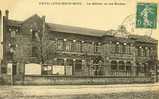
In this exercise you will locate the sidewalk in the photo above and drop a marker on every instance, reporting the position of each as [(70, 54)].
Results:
[(77, 89)]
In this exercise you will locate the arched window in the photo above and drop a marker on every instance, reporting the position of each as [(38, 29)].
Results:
[(114, 65), (121, 66), (128, 66), (140, 51), (144, 52)]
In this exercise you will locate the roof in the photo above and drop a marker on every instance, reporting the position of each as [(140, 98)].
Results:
[(66, 28), (143, 38), (14, 23), (75, 30), (84, 31), (17, 23)]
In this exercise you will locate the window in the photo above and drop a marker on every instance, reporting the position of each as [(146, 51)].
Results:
[(69, 67), (147, 52), (34, 51), (33, 35), (90, 47), (145, 67), (114, 65), (117, 48), (60, 45), (140, 51), (68, 45), (13, 34), (128, 66), (78, 66), (83, 46), (97, 47), (113, 47), (121, 48), (140, 67), (144, 52), (73, 46), (124, 48), (121, 66), (78, 46)]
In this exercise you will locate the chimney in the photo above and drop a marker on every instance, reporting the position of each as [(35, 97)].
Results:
[(7, 13)]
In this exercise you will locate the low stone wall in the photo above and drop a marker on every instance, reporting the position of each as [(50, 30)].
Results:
[(63, 80)]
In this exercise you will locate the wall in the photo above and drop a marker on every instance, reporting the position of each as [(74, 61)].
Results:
[(52, 80)]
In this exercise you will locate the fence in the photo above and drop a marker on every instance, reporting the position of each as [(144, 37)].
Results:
[(63, 80)]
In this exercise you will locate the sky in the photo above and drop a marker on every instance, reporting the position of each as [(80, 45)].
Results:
[(102, 17)]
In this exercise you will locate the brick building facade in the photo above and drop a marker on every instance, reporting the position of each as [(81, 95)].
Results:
[(77, 51)]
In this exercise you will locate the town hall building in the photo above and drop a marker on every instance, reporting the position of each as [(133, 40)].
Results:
[(75, 54)]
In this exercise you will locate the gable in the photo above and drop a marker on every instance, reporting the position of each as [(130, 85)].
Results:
[(33, 23)]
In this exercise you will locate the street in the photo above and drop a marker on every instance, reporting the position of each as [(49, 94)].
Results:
[(125, 91)]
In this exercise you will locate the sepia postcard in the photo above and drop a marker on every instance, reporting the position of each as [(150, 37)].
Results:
[(79, 49)]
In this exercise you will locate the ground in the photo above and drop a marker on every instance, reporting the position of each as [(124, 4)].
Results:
[(124, 91)]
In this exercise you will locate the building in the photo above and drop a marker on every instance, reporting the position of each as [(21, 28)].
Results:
[(66, 51)]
